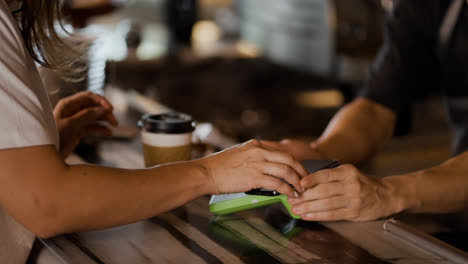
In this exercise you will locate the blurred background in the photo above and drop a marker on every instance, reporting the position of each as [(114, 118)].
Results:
[(265, 69)]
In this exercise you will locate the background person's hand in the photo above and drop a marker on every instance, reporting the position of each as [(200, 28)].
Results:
[(252, 166), (77, 116), (344, 193), (301, 150)]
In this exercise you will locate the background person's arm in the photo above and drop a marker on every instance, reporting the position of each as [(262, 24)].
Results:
[(49, 197), (354, 134)]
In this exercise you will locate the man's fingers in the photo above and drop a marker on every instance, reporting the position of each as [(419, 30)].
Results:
[(280, 170), (321, 191), (334, 215), (326, 176), (320, 177), (328, 204)]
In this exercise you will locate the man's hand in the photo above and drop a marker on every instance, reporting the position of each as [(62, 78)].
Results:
[(344, 193), (301, 150), (77, 116)]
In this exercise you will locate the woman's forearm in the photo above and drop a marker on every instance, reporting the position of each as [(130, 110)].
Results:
[(356, 132), (56, 198), (117, 197), (442, 189)]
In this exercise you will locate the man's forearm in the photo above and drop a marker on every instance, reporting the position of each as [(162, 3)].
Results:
[(442, 189), (356, 132)]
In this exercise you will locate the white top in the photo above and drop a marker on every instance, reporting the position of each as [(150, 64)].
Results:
[(26, 113), (26, 120)]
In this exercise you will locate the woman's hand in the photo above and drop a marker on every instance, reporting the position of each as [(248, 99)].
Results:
[(344, 193), (301, 150), (252, 166), (77, 116)]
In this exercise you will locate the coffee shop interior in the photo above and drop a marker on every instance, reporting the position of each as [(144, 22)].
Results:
[(245, 69)]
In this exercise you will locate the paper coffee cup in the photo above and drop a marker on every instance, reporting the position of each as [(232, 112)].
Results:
[(166, 138)]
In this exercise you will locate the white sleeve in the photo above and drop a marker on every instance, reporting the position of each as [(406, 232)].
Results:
[(26, 117)]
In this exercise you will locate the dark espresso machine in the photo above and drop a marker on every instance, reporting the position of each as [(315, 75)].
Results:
[(181, 17)]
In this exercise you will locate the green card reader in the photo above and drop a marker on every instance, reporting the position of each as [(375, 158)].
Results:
[(232, 203)]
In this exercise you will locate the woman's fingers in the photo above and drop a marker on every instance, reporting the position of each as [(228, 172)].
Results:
[(110, 118), (327, 204), (88, 116), (272, 144), (96, 130), (102, 101), (257, 150), (278, 164), (273, 155), (276, 184), (279, 170), (91, 115), (69, 106), (74, 104)]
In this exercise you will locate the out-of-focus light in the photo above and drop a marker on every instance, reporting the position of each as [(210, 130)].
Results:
[(216, 2), (247, 49), (387, 4), (320, 99), (109, 44), (205, 37), (253, 118), (114, 47), (154, 43)]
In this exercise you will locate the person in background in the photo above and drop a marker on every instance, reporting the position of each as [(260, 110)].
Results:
[(425, 50), (41, 195)]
